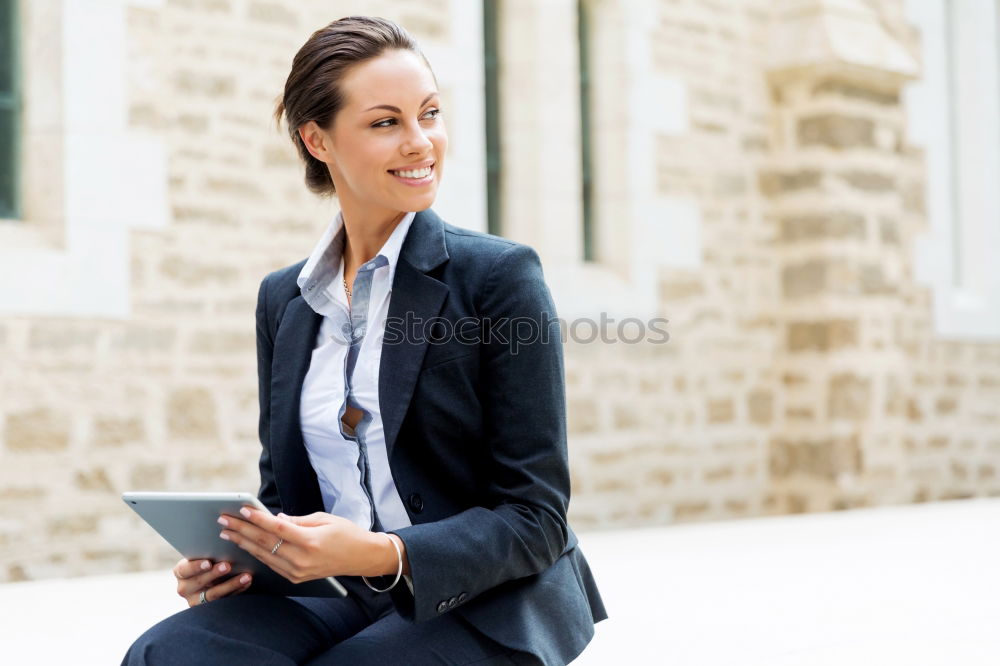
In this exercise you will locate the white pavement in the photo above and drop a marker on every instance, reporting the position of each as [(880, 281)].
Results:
[(911, 585)]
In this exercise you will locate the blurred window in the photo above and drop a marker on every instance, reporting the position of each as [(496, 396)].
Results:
[(10, 111), (954, 114), (492, 104), (586, 145)]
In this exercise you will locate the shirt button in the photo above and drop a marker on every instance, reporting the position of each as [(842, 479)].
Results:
[(416, 503), (370, 265), (442, 607)]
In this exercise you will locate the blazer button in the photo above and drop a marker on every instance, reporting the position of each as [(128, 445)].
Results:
[(416, 503), (452, 602), (442, 607), (462, 597)]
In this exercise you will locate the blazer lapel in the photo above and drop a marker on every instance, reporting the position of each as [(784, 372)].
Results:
[(293, 346), (416, 298)]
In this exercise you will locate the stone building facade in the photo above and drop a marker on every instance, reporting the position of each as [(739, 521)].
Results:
[(757, 181)]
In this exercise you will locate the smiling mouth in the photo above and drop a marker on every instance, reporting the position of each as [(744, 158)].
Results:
[(413, 174)]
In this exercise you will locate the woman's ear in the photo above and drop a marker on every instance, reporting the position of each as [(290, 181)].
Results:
[(316, 141)]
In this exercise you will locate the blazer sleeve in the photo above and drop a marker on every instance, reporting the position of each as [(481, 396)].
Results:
[(521, 529), (268, 492)]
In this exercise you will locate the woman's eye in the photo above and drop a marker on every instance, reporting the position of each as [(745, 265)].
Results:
[(392, 121)]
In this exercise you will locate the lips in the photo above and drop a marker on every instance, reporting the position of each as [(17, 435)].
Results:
[(415, 172)]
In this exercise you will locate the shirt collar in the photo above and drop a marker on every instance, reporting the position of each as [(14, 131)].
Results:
[(324, 263)]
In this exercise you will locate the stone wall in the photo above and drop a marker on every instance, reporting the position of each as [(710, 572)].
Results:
[(803, 372)]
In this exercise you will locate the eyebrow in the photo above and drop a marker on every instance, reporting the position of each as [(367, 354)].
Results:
[(388, 107)]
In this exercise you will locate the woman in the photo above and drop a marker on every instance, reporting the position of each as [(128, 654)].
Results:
[(423, 461)]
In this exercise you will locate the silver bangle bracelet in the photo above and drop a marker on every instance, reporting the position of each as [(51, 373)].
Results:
[(399, 569)]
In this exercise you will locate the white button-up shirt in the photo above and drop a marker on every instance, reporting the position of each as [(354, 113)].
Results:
[(333, 457)]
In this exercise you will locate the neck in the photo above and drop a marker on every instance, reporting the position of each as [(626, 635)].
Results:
[(365, 236)]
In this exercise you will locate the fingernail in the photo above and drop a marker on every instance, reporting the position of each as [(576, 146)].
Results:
[(223, 567), (223, 522), (206, 565), (282, 515), (245, 579), (246, 512), (223, 535)]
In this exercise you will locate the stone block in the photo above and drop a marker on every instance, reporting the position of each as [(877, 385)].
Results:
[(946, 406), (191, 414), (204, 84), (93, 480), (582, 416), (775, 183), (760, 406), (869, 181), (62, 338), (825, 458), (888, 231), (690, 510), (718, 473), (148, 477), (203, 473), (847, 90), (849, 397), (14, 493), (273, 13), (833, 225), (37, 430), (222, 342), (73, 526), (194, 273), (145, 339), (836, 131), (821, 336), (804, 279), (721, 410), (112, 431)]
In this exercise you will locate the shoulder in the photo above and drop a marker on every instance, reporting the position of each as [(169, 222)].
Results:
[(280, 286), (501, 277), (486, 255)]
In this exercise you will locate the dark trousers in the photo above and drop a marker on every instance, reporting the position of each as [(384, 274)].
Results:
[(362, 628)]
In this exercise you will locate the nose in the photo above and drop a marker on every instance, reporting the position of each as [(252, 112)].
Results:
[(415, 141)]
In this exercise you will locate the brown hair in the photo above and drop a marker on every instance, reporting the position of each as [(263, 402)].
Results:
[(312, 89)]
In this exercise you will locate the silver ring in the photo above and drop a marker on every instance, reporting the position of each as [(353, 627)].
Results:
[(277, 545), (201, 597)]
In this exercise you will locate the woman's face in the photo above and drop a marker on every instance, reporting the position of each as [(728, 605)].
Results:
[(386, 146)]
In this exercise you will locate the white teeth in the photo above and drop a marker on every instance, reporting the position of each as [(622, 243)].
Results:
[(418, 173)]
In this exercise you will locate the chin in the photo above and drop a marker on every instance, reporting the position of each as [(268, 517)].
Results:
[(422, 202)]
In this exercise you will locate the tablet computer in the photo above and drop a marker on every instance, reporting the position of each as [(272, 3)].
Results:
[(188, 522)]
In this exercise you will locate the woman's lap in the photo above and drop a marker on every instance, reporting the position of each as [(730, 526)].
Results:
[(277, 631)]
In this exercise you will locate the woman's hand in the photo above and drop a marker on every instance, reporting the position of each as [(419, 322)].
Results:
[(313, 546), (194, 576)]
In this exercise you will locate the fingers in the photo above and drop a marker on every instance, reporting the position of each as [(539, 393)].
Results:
[(188, 568), (198, 582), (283, 562), (233, 586), (269, 526)]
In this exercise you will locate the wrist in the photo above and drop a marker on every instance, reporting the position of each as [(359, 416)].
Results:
[(382, 558)]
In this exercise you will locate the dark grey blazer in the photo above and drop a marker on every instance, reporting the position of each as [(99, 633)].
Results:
[(475, 428)]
